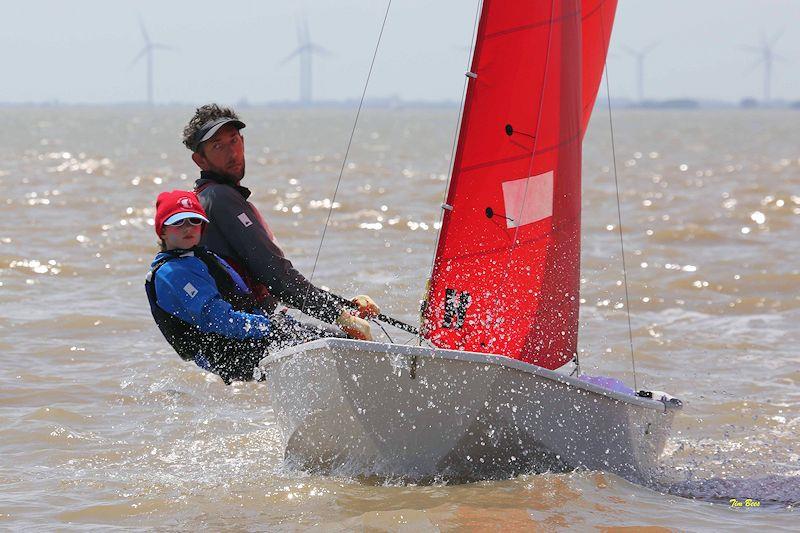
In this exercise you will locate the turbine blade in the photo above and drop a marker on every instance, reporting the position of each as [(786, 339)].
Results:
[(291, 56), (144, 31), (316, 49), (299, 31), (306, 35), (753, 65), (138, 57), (649, 48), (160, 46), (776, 37)]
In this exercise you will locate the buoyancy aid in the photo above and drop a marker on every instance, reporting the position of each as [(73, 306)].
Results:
[(232, 359)]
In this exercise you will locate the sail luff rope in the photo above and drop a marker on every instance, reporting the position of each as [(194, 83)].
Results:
[(535, 138), (347, 151), (619, 220), (478, 9)]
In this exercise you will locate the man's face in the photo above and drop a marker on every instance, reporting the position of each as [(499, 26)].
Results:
[(223, 153)]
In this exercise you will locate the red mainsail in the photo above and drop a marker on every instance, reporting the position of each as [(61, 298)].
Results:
[(506, 275)]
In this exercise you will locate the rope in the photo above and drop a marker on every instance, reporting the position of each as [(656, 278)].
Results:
[(535, 139), (347, 152), (384, 331), (619, 220)]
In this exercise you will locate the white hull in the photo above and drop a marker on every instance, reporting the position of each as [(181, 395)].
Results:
[(364, 408)]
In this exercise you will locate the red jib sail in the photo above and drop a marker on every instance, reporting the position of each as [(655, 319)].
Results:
[(506, 275)]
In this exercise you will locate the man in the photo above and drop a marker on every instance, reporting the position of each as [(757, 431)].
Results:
[(239, 234)]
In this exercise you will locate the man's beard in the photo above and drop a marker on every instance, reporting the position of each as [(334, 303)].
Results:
[(234, 177)]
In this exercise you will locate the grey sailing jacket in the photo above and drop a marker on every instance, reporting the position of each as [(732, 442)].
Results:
[(236, 233)]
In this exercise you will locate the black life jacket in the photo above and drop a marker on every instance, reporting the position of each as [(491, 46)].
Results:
[(231, 359)]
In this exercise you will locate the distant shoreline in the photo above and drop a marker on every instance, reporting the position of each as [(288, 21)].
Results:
[(395, 103)]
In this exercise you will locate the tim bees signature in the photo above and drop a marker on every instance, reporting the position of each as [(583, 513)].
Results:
[(747, 503)]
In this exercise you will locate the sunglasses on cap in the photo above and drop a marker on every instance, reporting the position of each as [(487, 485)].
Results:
[(191, 221)]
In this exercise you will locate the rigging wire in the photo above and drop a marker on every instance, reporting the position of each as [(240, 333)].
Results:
[(391, 341), (478, 7), (619, 220), (347, 151)]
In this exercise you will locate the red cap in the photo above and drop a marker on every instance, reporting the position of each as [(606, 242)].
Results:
[(175, 206)]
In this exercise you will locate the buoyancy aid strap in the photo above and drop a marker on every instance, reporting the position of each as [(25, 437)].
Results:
[(241, 298), (151, 274), (259, 291), (201, 188)]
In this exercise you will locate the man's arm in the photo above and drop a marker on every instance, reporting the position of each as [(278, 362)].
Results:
[(236, 220)]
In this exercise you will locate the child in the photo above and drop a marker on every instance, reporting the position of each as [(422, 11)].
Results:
[(200, 304)]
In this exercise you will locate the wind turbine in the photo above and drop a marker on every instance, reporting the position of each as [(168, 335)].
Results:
[(147, 51), (305, 51), (768, 57), (639, 55)]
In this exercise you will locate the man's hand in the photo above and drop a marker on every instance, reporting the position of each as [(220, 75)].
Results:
[(367, 308), (355, 327)]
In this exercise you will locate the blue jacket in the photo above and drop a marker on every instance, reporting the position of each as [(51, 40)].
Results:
[(207, 314), (185, 289)]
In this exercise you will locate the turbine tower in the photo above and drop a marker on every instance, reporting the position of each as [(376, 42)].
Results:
[(305, 52), (147, 51), (639, 55), (767, 57)]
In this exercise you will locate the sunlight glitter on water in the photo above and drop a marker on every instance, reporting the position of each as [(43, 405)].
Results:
[(172, 442)]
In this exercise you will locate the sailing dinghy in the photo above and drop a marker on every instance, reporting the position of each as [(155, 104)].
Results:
[(485, 400)]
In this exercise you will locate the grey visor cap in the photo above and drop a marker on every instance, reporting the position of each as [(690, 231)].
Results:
[(211, 127)]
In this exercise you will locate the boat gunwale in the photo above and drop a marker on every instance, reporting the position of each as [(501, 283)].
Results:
[(334, 343)]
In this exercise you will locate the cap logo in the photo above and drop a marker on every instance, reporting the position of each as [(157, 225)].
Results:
[(185, 202)]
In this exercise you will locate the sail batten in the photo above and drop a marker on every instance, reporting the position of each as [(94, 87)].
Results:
[(506, 273)]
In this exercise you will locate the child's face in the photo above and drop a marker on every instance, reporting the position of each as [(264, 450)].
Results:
[(182, 236)]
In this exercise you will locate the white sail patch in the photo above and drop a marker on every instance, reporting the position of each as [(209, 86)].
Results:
[(528, 200)]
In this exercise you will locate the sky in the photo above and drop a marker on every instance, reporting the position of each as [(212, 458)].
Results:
[(80, 51)]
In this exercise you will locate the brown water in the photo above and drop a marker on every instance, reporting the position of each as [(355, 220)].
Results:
[(102, 426)]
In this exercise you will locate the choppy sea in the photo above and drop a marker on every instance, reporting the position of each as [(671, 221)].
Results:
[(103, 427)]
